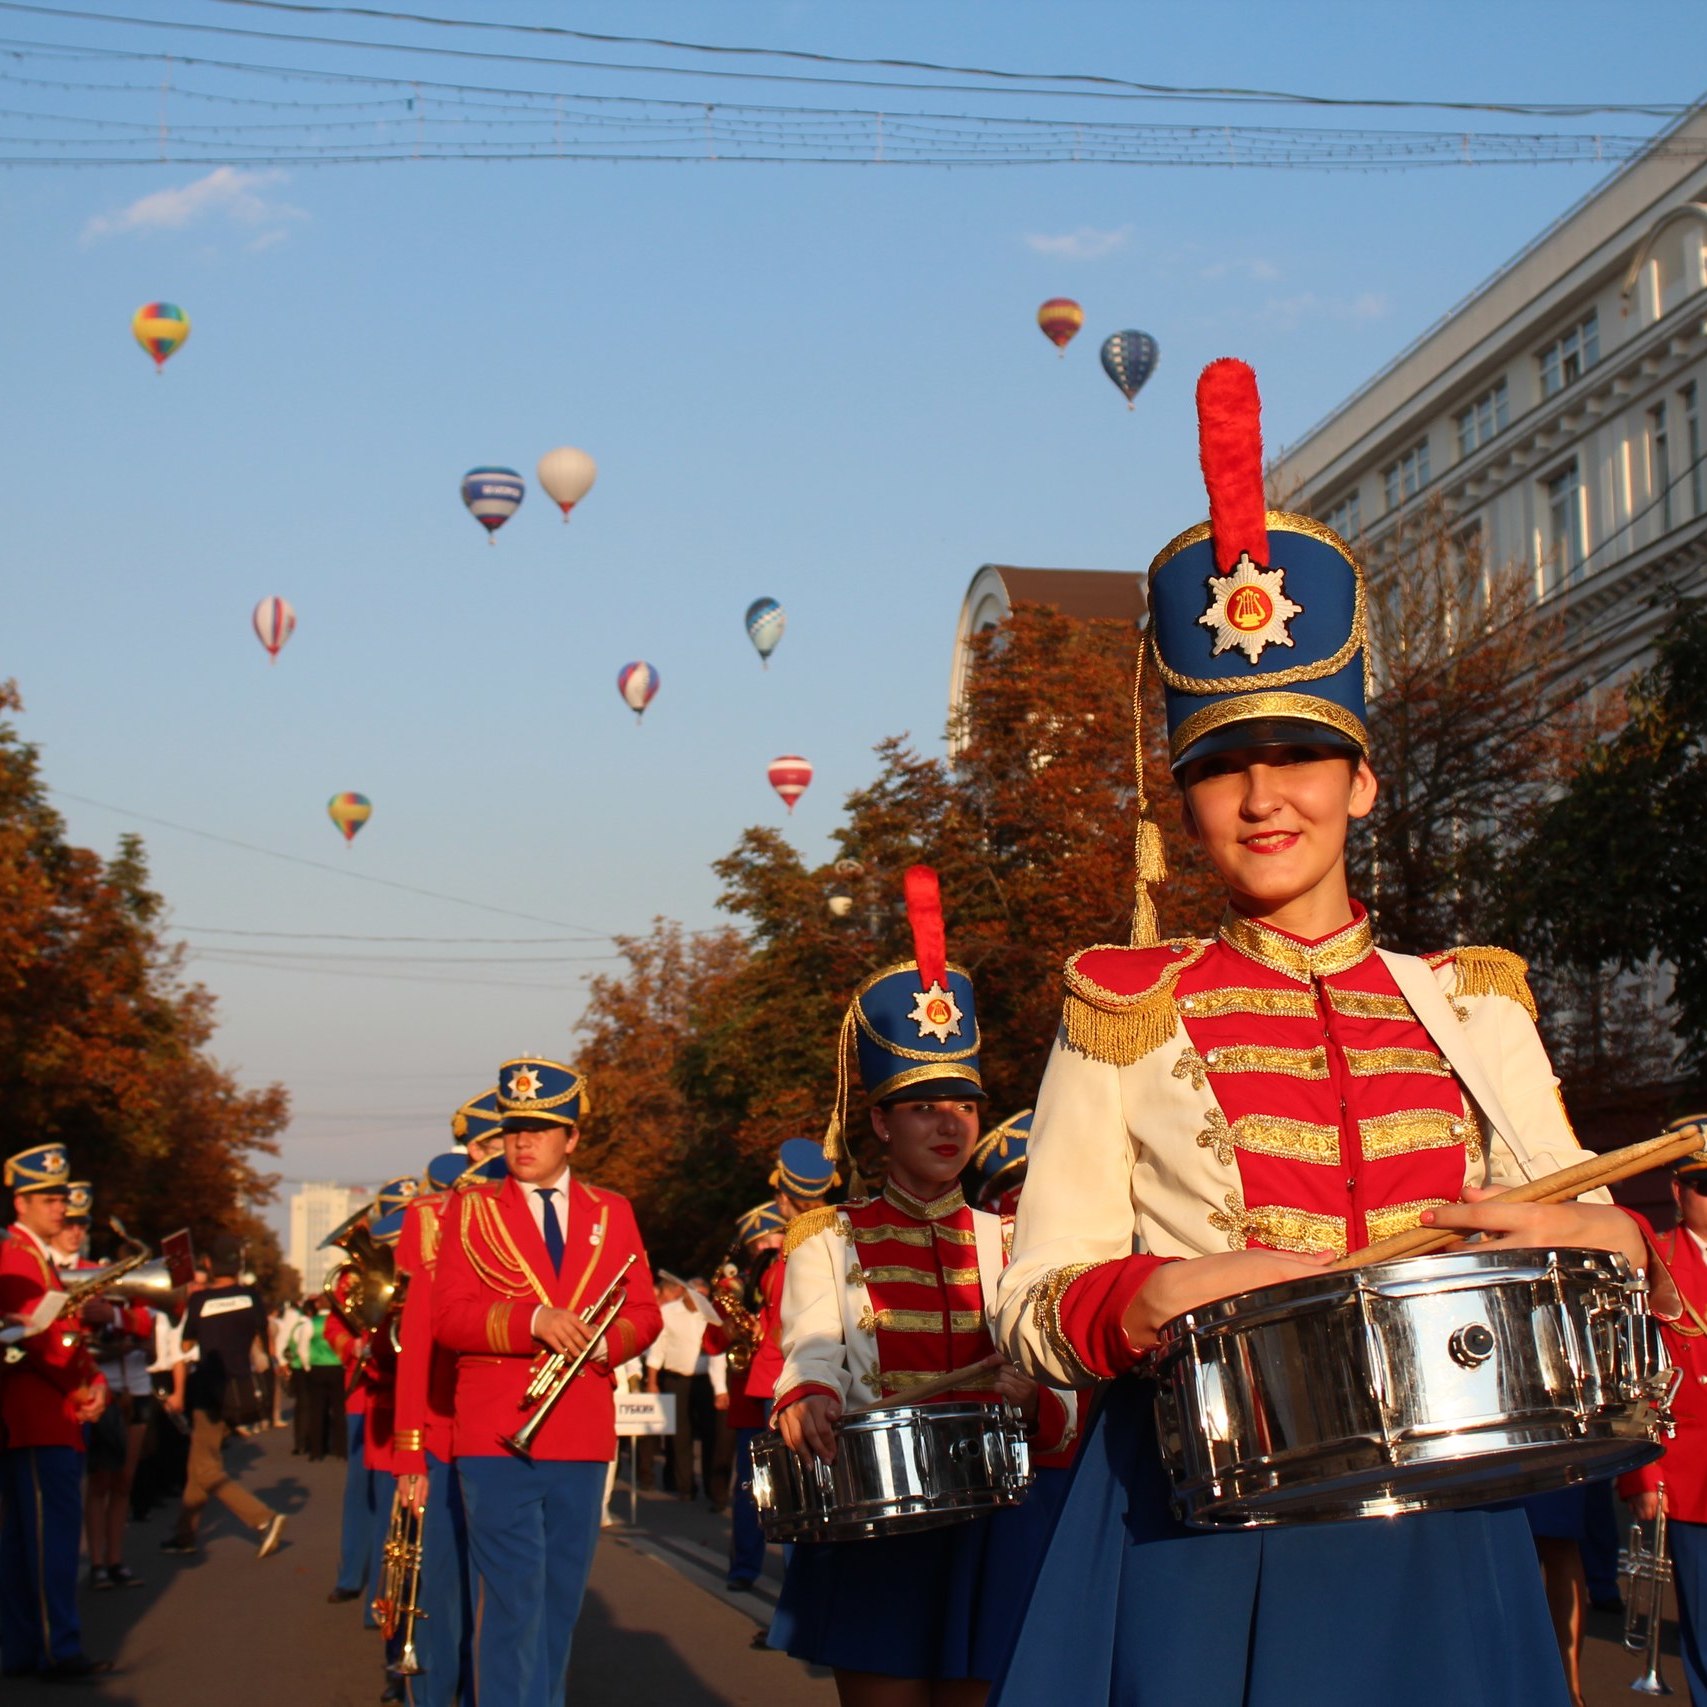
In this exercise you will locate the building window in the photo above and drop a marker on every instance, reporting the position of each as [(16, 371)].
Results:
[(1407, 477), (1692, 440), (1659, 465), (1489, 414), (1568, 358), (1346, 517), (1569, 543)]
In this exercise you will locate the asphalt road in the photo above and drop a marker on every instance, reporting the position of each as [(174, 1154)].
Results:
[(658, 1628)]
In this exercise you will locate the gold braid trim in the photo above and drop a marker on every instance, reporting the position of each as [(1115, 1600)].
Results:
[(1117, 1028), (508, 1273), (809, 1225), (409, 1439), (429, 1235), (1045, 1297), (1483, 971), (1399, 1217)]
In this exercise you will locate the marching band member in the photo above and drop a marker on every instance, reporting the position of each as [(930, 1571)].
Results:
[(1237, 1110), (518, 1264), (47, 1394), (880, 1295), (998, 1164)]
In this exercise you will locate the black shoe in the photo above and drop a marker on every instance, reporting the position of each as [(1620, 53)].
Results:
[(122, 1576), (99, 1577), (393, 1692), (339, 1595), (762, 1642), (739, 1585), (173, 1545), (78, 1669)]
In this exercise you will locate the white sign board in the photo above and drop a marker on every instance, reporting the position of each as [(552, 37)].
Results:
[(645, 1413)]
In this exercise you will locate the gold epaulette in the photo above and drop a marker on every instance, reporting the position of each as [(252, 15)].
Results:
[(1483, 971), (1121, 1026), (807, 1226)]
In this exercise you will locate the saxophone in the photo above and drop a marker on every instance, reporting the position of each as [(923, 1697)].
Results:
[(744, 1327)]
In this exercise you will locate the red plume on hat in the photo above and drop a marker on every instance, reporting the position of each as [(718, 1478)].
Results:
[(1229, 443), (930, 936)]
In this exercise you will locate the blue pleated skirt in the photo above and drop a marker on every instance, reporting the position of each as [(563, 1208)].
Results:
[(939, 1603), (1131, 1609)]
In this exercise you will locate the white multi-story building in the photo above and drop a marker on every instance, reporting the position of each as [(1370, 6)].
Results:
[(1557, 410), (316, 1207)]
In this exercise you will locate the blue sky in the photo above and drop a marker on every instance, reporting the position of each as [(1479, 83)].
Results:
[(821, 383)]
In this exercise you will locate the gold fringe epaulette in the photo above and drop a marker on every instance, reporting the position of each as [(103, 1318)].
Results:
[(1483, 971), (807, 1226), (1120, 1027)]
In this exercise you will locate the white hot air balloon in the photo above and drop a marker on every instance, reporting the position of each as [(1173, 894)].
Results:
[(274, 622), (567, 475)]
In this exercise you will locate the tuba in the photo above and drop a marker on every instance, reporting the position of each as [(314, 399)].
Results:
[(136, 1278), (1648, 1571), (370, 1272)]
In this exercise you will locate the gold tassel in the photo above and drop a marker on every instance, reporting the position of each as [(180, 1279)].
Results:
[(1126, 1035), (1486, 971), (586, 1100)]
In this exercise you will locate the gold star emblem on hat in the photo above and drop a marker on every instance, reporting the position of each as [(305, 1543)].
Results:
[(1247, 609), (936, 1013), (524, 1085)]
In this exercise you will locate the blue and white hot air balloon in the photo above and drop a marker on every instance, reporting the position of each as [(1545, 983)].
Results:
[(1129, 358), (766, 620), (493, 495)]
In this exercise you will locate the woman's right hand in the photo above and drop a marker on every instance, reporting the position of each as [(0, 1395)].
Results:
[(1177, 1287), (808, 1426)]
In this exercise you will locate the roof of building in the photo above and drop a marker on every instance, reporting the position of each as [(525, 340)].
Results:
[(1082, 593)]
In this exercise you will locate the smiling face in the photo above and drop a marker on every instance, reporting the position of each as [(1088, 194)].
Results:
[(928, 1143), (537, 1150), (1273, 821)]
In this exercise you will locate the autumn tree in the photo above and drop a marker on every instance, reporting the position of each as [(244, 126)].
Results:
[(103, 1045)]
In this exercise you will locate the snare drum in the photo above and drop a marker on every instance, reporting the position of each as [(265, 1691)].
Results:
[(897, 1468), (1432, 1381)]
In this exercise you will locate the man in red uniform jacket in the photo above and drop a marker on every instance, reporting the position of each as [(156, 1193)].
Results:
[(47, 1393), (518, 1265)]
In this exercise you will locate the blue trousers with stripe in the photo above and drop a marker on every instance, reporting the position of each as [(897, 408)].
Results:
[(746, 1538), (1688, 1542), (41, 1530), (355, 1543), (532, 1529), (443, 1635)]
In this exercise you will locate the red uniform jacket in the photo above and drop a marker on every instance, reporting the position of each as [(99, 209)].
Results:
[(766, 1366), (357, 1386), (36, 1403), (493, 1273), (1683, 1469), (426, 1372)]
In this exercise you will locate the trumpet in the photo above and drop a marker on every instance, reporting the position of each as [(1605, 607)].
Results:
[(553, 1374), (398, 1603), (1647, 1570)]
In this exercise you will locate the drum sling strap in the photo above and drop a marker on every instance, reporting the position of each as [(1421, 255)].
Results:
[(987, 1231)]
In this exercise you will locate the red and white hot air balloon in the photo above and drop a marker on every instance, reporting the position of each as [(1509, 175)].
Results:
[(790, 776), (567, 475), (274, 623)]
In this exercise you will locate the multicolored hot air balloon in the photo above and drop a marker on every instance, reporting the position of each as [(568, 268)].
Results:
[(493, 495), (790, 776), (160, 328), (638, 685), (275, 622), (766, 620), (567, 475), (1129, 358), (1060, 317), (349, 812)]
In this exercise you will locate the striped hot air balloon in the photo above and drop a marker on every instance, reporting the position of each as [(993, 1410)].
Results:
[(160, 328), (493, 495), (1129, 358), (349, 812), (790, 776), (766, 620), (638, 685), (1060, 317), (275, 622)]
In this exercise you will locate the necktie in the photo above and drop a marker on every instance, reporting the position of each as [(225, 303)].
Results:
[(553, 1233)]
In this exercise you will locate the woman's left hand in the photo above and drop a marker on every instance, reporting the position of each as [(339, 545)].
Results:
[(1019, 1390), (1590, 1226)]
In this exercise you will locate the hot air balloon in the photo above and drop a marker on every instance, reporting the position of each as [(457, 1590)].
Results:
[(160, 327), (349, 812), (493, 495), (567, 475), (766, 620), (637, 683), (1060, 317), (790, 776), (275, 622), (1129, 358)]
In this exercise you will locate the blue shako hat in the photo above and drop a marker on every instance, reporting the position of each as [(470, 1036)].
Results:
[(477, 1118), (385, 1228), (764, 1217), (1258, 625), (41, 1168), (532, 1089), (803, 1170), (443, 1171), (79, 1200), (393, 1195), (998, 1158)]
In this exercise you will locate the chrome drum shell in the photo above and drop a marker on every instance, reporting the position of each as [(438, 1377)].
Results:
[(1433, 1381), (897, 1468)]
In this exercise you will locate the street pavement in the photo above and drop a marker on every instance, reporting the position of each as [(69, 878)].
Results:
[(658, 1629)]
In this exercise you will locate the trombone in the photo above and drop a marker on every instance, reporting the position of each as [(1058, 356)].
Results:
[(551, 1378), (1648, 1571), (398, 1603)]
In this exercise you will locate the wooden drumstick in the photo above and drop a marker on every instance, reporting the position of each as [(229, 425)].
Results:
[(933, 1388), (1558, 1187)]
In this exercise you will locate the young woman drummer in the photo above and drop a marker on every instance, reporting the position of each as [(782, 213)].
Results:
[(880, 1295), (1241, 1109)]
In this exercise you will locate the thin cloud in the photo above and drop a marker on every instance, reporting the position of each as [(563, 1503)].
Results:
[(1286, 313), (228, 194), (1252, 267), (1088, 243)]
